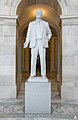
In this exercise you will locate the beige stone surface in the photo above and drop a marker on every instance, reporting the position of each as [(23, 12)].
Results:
[(69, 43), (7, 57)]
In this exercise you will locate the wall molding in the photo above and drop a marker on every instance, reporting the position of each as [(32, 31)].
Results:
[(9, 16)]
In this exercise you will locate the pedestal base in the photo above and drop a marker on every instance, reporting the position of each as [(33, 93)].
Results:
[(37, 96)]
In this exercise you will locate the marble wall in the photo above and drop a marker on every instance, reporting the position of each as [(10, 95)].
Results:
[(7, 57), (69, 57), (69, 48)]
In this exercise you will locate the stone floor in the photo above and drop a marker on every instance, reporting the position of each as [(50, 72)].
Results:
[(14, 109)]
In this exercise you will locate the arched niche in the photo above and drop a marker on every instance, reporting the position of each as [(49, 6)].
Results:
[(19, 5), (27, 14)]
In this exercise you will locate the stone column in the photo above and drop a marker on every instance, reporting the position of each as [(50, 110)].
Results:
[(19, 56), (22, 53), (60, 55), (58, 69), (69, 89), (8, 56), (27, 60), (25, 57), (52, 55), (56, 53)]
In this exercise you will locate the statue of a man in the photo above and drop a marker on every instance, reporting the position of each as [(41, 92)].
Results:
[(38, 35)]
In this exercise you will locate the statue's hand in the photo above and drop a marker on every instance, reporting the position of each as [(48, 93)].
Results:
[(25, 45)]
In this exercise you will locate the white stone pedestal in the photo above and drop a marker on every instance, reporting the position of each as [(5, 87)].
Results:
[(37, 95)]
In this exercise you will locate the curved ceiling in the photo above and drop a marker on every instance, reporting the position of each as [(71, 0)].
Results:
[(25, 3), (50, 8), (49, 15)]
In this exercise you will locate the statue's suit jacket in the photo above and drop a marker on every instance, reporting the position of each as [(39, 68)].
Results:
[(31, 34)]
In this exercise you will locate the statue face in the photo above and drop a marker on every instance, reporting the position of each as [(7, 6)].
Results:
[(38, 14)]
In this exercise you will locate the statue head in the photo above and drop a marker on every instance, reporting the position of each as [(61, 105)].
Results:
[(38, 14)]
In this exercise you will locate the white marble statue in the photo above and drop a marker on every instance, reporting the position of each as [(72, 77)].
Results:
[(38, 35)]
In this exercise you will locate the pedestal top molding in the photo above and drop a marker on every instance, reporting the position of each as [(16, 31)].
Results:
[(38, 79), (9, 16)]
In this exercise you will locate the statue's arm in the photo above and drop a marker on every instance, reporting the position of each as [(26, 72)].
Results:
[(49, 33), (27, 37)]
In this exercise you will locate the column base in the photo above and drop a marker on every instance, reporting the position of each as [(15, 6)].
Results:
[(69, 91), (37, 96), (8, 91)]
